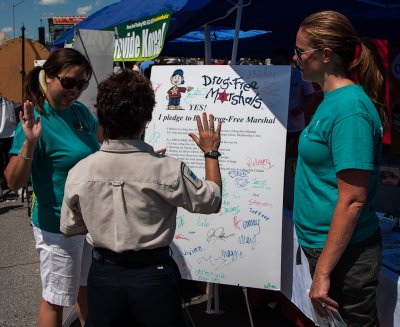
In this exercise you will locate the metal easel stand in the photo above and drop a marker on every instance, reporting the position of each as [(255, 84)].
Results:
[(213, 293), (248, 306), (188, 317)]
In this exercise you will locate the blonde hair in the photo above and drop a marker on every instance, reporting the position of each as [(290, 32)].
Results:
[(330, 29)]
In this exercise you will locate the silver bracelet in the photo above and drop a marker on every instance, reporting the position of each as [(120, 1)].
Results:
[(24, 156)]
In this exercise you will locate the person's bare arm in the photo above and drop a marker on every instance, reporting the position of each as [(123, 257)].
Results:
[(19, 167), (353, 192), (208, 140)]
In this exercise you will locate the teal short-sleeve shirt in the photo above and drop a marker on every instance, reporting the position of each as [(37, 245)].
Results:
[(345, 133), (68, 136)]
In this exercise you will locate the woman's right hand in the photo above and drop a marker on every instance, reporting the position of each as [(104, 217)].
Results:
[(32, 127)]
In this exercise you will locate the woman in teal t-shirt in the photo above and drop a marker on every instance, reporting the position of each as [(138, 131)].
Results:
[(337, 168), (55, 132)]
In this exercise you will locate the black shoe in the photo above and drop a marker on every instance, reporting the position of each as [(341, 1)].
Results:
[(12, 196), (4, 185)]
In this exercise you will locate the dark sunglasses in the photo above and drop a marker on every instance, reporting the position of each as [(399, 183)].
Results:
[(70, 83), (299, 52)]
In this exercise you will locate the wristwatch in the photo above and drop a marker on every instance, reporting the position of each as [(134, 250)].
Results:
[(213, 154)]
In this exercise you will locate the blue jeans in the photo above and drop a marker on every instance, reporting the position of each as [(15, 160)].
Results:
[(354, 280), (134, 294)]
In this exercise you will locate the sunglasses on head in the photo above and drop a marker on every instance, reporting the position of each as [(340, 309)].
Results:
[(70, 83), (299, 52)]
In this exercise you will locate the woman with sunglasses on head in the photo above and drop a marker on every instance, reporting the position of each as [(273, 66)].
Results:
[(337, 168), (55, 132)]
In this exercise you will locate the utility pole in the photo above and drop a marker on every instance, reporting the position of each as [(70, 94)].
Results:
[(14, 6)]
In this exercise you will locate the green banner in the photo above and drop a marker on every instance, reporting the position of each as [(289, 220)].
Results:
[(141, 40)]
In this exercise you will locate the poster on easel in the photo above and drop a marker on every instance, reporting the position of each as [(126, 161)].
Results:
[(240, 245)]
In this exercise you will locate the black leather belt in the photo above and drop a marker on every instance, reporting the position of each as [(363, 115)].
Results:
[(132, 258)]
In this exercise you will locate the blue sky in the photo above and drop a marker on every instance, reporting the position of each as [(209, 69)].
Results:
[(29, 13)]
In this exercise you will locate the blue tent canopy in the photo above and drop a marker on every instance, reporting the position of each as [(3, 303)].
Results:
[(122, 12), (373, 18), (216, 34), (251, 44)]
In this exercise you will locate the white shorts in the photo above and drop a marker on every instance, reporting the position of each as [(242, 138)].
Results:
[(64, 265)]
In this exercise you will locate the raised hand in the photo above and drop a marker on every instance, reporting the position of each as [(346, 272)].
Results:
[(209, 138), (32, 127)]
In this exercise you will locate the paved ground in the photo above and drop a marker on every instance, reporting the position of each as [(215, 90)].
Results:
[(20, 283), (19, 268)]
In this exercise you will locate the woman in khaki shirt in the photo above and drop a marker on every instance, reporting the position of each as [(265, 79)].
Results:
[(126, 197)]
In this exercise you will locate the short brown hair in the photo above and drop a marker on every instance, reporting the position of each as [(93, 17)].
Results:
[(125, 103)]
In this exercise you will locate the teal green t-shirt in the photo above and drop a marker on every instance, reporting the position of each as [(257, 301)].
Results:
[(68, 136), (344, 133)]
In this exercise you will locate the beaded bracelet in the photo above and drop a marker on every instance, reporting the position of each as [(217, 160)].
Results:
[(24, 156)]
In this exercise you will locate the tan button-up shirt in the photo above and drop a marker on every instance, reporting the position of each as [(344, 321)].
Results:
[(126, 197)]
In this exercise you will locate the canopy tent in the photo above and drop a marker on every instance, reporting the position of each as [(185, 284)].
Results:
[(217, 34), (373, 18), (252, 44), (376, 19), (122, 12)]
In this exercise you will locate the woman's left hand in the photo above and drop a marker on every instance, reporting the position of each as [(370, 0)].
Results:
[(209, 138), (161, 151), (319, 295)]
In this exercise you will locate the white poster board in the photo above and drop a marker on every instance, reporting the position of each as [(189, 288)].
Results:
[(99, 46), (241, 245)]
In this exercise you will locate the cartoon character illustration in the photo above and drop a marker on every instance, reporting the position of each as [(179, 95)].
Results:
[(175, 92)]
